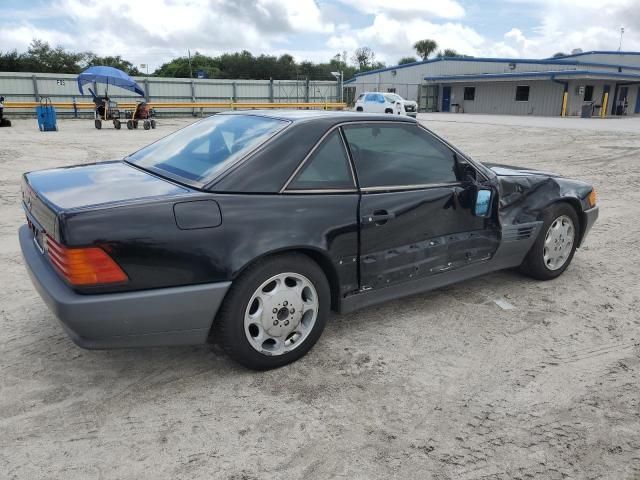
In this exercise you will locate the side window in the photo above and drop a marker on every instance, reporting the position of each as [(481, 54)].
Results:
[(327, 168), (370, 97), (522, 93), (469, 93), (380, 98), (398, 155)]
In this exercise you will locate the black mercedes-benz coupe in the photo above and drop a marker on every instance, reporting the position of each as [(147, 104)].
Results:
[(247, 228)]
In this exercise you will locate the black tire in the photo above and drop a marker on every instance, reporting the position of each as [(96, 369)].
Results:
[(116, 124), (153, 124), (146, 124), (129, 124), (98, 123), (359, 109), (135, 123), (534, 264), (229, 329), (388, 110)]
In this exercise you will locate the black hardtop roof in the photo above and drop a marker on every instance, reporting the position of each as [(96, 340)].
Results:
[(322, 115)]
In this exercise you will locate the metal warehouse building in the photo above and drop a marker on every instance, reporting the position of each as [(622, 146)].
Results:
[(604, 83)]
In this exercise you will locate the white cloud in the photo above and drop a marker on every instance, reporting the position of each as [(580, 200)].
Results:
[(425, 8), (585, 24), (153, 31), (392, 38), (20, 36)]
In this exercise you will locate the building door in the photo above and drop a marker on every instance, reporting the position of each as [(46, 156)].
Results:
[(446, 99), (622, 101), (428, 98), (637, 109)]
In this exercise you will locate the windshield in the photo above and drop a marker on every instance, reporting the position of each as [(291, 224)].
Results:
[(200, 151), (392, 97)]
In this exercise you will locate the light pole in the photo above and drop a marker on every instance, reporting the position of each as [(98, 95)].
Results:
[(340, 76)]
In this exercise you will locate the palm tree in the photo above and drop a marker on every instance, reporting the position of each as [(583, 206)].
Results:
[(425, 47)]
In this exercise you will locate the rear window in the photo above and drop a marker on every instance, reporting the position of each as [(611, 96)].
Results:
[(200, 151)]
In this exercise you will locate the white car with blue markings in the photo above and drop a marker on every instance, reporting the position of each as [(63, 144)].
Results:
[(380, 102)]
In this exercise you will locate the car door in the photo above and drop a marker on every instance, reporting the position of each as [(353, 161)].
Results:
[(416, 216), (370, 103), (374, 103)]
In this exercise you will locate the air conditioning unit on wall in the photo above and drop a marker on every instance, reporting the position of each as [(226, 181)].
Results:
[(580, 90)]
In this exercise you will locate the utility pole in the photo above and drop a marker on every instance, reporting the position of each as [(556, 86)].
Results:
[(340, 76), (190, 70), (621, 33)]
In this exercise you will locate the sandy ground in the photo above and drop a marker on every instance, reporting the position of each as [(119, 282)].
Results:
[(441, 385)]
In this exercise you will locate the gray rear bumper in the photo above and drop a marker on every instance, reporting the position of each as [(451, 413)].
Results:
[(163, 316)]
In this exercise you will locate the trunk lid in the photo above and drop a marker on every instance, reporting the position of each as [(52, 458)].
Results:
[(95, 185), (46, 194)]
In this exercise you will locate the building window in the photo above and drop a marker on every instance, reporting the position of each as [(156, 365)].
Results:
[(588, 93), (391, 90), (469, 93), (522, 93)]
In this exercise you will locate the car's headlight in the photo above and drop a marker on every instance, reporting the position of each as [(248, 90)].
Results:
[(592, 198)]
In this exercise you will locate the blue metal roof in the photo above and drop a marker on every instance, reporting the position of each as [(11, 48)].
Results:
[(602, 52), (546, 61), (550, 74)]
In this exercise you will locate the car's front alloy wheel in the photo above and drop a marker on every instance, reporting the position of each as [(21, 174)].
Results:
[(274, 311), (556, 244)]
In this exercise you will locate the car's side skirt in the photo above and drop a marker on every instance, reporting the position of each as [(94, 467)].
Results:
[(515, 244)]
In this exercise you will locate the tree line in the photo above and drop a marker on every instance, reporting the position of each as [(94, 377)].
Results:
[(42, 57)]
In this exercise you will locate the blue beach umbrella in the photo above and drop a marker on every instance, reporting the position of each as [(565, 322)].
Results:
[(109, 76)]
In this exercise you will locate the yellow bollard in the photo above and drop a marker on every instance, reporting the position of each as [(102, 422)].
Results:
[(603, 110), (565, 95)]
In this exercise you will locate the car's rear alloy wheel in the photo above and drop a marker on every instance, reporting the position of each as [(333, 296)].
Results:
[(281, 313), (556, 244), (274, 312)]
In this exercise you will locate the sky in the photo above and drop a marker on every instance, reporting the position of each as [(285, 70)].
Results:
[(154, 31)]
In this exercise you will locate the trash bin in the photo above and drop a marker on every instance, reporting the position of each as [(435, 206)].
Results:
[(46, 116), (587, 110)]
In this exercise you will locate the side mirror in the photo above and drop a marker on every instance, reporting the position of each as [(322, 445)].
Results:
[(482, 205), (465, 172)]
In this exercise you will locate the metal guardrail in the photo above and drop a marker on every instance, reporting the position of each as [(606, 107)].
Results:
[(187, 105)]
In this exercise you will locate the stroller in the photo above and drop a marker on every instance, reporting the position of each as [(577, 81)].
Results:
[(141, 112), (105, 110)]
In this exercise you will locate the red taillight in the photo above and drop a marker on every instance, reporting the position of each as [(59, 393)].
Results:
[(84, 266)]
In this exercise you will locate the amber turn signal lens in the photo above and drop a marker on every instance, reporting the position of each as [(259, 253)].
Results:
[(592, 198), (84, 266)]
